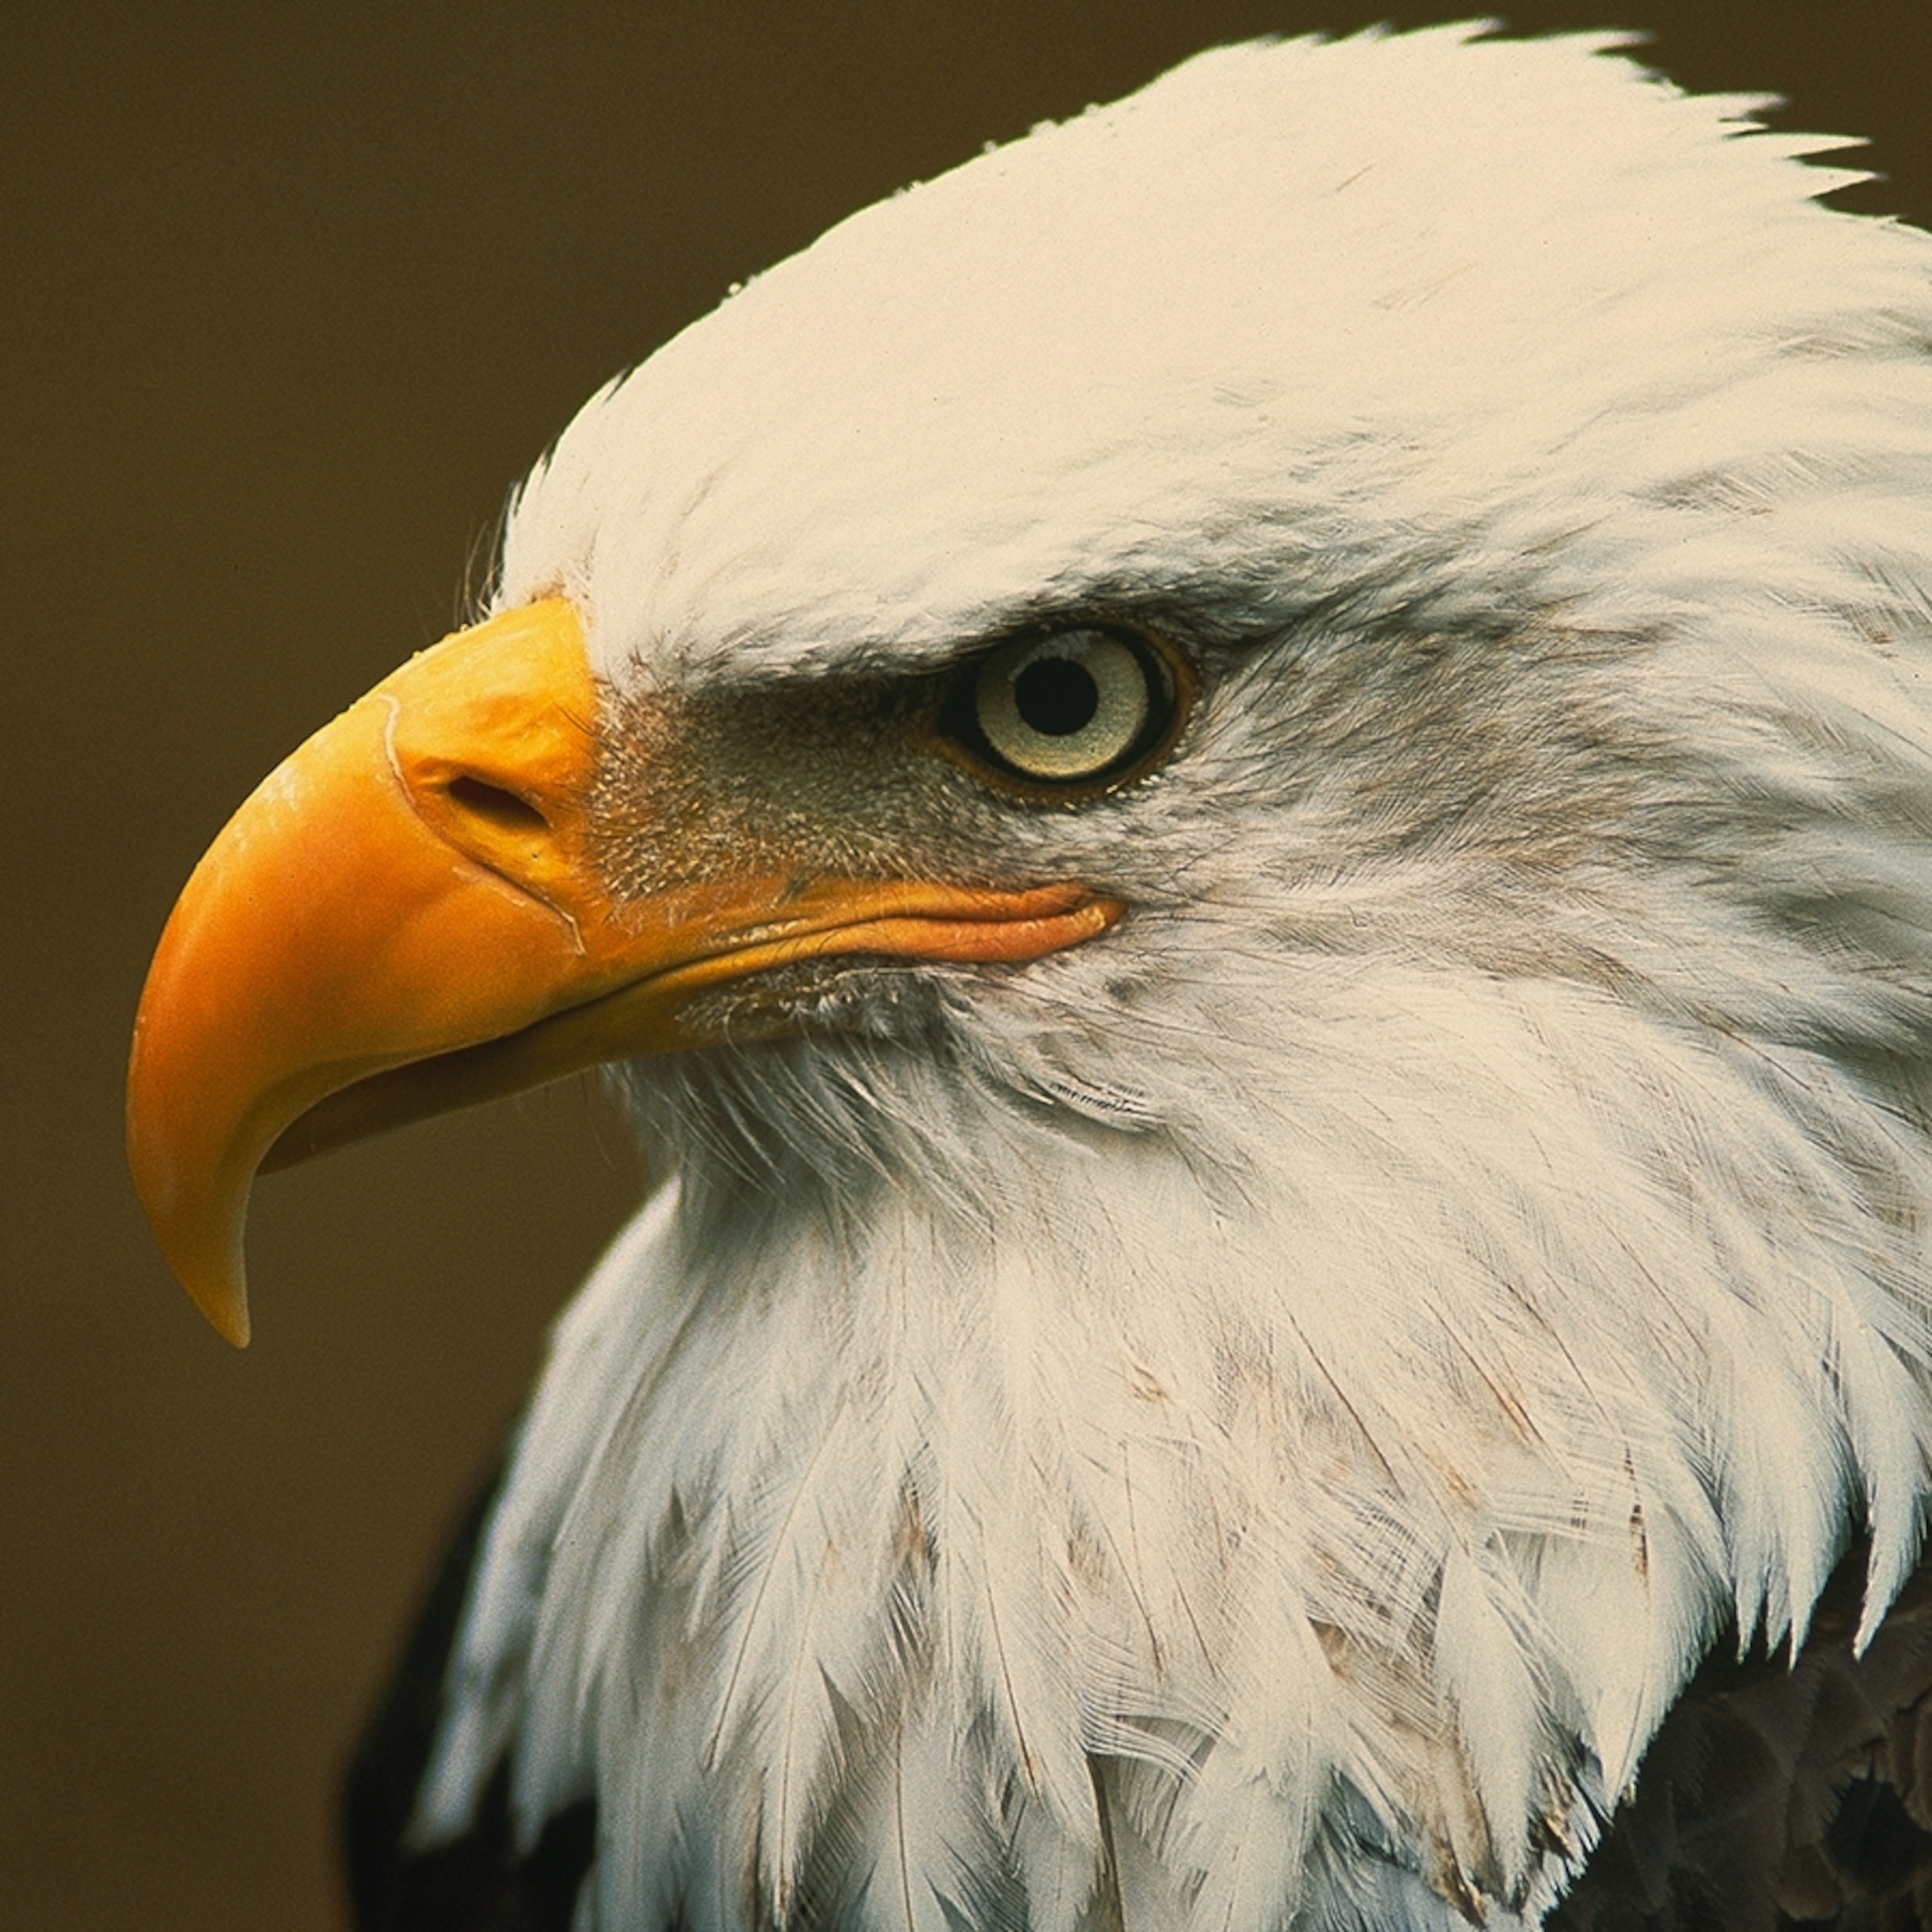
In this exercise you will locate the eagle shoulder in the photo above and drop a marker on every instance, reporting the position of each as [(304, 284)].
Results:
[(1776, 1794)]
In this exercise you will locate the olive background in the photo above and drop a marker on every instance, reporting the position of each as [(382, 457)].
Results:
[(290, 296)]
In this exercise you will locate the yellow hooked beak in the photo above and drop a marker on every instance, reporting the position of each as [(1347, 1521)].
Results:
[(406, 917)]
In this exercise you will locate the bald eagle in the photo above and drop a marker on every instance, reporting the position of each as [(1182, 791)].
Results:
[(1243, 795)]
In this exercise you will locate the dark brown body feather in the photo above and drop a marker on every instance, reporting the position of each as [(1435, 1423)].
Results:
[(480, 1883), (1774, 1797)]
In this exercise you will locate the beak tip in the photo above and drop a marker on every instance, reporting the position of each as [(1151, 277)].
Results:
[(228, 1318), (216, 1285), (198, 1229)]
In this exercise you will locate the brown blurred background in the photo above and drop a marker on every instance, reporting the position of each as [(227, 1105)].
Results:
[(289, 297)]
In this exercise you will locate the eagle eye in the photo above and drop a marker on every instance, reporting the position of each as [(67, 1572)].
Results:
[(1068, 707)]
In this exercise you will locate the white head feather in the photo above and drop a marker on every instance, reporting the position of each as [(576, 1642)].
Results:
[(1264, 1410)]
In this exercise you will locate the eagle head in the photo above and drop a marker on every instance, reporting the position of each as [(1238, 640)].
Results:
[(1242, 793)]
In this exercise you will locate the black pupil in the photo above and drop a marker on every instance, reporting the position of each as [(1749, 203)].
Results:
[(1056, 697)]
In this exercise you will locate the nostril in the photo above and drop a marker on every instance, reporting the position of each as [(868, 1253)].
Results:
[(508, 811)]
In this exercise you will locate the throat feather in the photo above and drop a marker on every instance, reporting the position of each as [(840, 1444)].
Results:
[(1373, 1520)]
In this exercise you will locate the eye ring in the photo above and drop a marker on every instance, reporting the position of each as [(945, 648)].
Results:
[(1072, 709)]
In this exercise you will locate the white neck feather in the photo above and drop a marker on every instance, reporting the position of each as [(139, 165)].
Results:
[(1251, 1516)]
